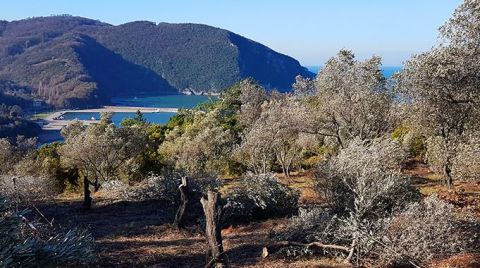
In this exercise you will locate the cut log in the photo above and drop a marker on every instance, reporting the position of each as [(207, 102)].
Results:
[(179, 221), (213, 214)]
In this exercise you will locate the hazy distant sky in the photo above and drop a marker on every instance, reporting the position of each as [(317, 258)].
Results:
[(309, 30)]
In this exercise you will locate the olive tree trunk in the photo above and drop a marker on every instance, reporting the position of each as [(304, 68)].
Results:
[(447, 175), (87, 199), (213, 214), (184, 198)]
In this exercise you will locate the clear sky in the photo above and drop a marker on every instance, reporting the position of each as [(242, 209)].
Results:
[(308, 30)]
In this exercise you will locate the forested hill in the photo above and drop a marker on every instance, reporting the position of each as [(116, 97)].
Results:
[(73, 61)]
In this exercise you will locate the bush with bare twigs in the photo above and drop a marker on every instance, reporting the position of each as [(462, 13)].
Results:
[(260, 196), (26, 188), (25, 244), (426, 230)]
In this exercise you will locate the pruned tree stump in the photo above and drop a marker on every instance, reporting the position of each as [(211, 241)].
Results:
[(87, 199), (179, 221), (213, 214)]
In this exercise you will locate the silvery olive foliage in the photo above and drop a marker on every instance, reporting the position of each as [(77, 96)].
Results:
[(252, 97), (14, 152), (260, 196), (256, 150), (375, 211), (426, 230), (24, 244), (310, 225), (313, 224), (278, 135), (466, 164), (304, 86), (351, 99), (365, 178), (202, 148), (20, 189), (439, 154), (101, 150), (422, 231), (156, 187), (463, 27), (442, 86), (363, 185), (153, 188)]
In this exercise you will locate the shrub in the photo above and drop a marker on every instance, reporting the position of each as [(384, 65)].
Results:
[(154, 187), (466, 164), (24, 245), (364, 186), (26, 188), (366, 177), (259, 197), (416, 145), (315, 224), (162, 188), (426, 230), (14, 151), (310, 225)]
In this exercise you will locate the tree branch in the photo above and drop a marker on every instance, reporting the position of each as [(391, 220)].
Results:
[(275, 247)]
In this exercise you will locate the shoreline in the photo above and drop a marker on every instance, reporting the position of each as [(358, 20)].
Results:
[(51, 122)]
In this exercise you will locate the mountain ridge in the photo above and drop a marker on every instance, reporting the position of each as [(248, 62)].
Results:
[(72, 61)]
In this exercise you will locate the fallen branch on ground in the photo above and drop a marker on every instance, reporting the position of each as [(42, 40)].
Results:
[(277, 246)]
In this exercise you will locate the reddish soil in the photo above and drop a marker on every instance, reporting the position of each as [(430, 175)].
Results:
[(140, 234)]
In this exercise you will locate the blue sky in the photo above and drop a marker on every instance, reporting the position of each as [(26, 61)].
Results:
[(308, 30)]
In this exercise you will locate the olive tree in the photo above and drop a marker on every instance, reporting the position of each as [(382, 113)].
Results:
[(443, 87), (101, 150), (284, 117), (201, 148), (466, 164), (252, 97), (304, 86), (277, 134), (351, 99), (256, 149), (13, 152)]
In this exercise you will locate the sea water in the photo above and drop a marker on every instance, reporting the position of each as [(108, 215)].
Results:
[(159, 118), (165, 101), (388, 71)]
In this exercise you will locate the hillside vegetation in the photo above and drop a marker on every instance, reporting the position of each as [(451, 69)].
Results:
[(348, 170), (72, 61), (13, 124)]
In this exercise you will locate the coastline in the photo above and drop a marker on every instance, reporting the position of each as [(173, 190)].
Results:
[(52, 121)]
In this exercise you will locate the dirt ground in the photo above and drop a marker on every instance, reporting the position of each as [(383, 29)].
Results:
[(140, 234)]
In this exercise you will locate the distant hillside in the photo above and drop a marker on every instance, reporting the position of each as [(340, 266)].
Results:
[(72, 61)]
